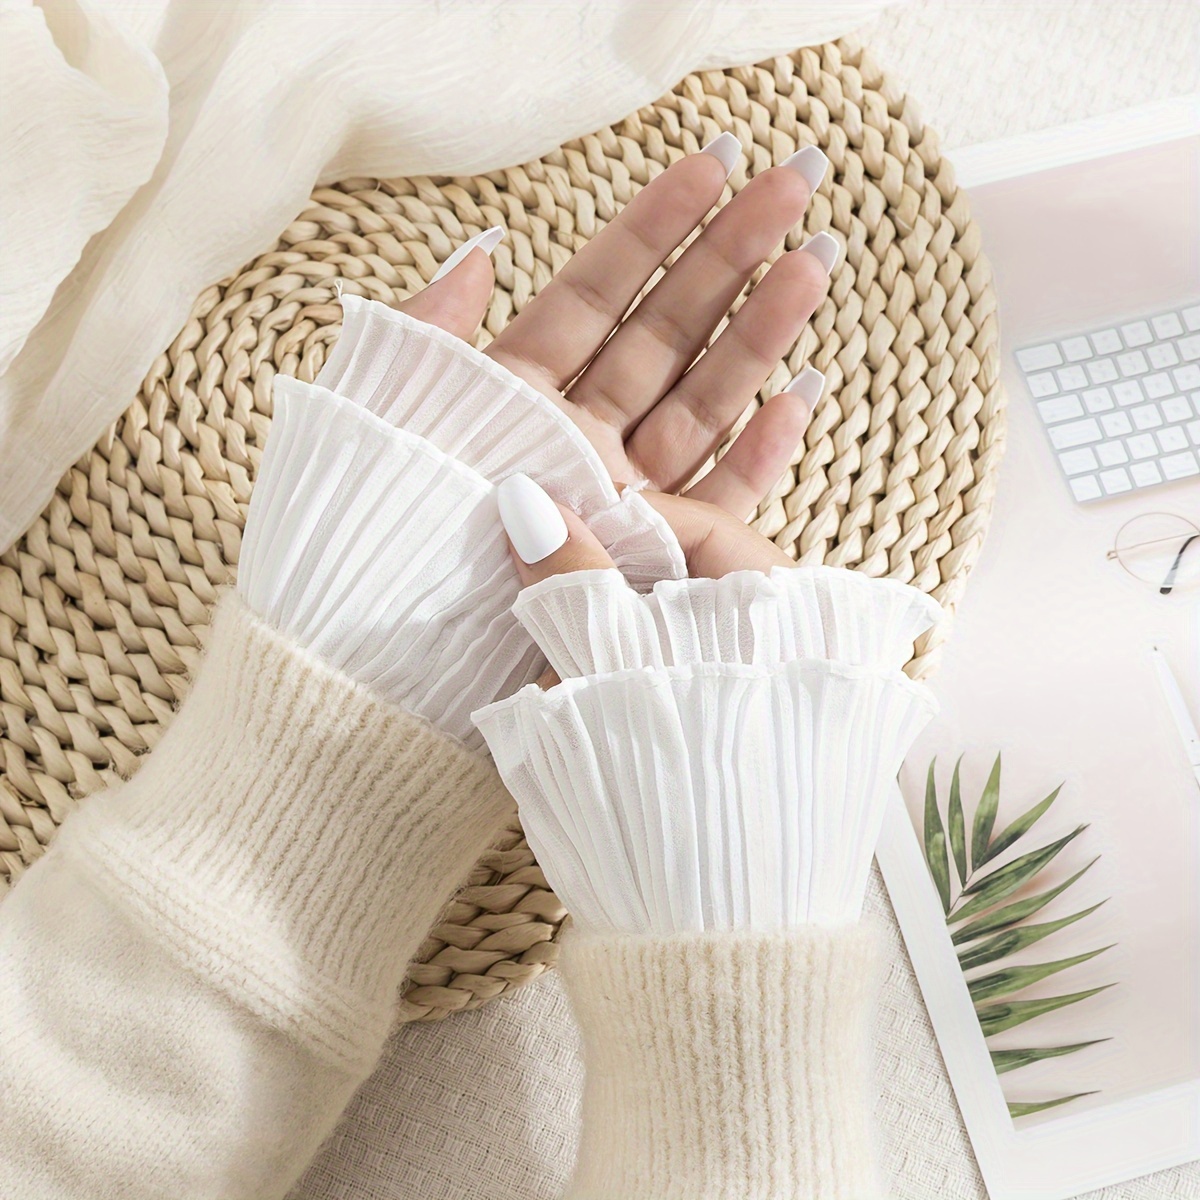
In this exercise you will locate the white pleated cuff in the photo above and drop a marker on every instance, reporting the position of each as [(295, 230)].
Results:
[(386, 557), (705, 764), (420, 378), (589, 622)]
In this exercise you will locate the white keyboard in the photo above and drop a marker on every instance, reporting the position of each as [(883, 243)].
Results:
[(1121, 405)]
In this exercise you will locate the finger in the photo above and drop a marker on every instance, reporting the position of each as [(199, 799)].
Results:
[(457, 297), (570, 318), (761, 453), (546, 538), (662, 336), (684, 428), (714, 542)]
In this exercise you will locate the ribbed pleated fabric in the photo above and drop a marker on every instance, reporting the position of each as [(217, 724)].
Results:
[(726, 1066), (292, 838), (422, 379), (710, 770), (385, 557), (589, 621)]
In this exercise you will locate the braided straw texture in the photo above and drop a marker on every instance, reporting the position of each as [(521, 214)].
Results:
[(104, 603)]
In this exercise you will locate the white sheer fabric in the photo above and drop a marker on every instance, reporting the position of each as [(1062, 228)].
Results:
[(425, 380), (374, 537), (707, 763), (386, 557)]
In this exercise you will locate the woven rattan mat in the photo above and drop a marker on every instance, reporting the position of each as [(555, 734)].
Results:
[(105, 601)]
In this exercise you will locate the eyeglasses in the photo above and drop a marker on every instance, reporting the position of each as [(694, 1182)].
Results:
[(1160, 549)]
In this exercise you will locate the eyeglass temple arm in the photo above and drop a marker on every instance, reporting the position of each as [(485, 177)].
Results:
[(1169, 582)]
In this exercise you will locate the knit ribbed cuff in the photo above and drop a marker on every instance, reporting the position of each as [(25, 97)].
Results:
[(730, 1065), (292, 837)]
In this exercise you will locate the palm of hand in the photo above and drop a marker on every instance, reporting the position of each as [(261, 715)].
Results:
[(632, 381)]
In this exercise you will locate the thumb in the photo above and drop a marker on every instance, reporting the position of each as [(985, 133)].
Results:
[(546, 538), (457, 296)]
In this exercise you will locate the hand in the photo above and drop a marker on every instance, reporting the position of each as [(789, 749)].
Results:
[(714, 541), (651, 411)]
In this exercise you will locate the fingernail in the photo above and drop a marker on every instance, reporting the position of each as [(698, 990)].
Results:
[(531, 519), (726, 149), (808, 385), (487, 241), (810, 164), (823, 248)]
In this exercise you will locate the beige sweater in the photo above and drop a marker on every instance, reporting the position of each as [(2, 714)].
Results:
[(198, 975)]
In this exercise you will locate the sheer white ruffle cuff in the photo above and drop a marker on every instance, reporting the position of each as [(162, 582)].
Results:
[(431, 383), (374, 537), (719, 752), (386, 557)]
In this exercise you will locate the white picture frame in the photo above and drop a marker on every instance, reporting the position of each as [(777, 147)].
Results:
[(1060, 1156)]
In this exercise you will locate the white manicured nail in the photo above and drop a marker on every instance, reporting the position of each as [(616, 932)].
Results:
[(531, 519), (808, 385), (824, 248), (810, 164), (486, 241), (726, 149)]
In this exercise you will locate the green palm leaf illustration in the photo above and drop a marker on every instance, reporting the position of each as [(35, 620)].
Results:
[(1012, 1060), (957, 827), (1010, 914), (1003, 882), (996, 1018), (935, 842), (978, 912), (1025, 1110), (1020, 827), (1013, 979), (1012, 940), (985, 816)]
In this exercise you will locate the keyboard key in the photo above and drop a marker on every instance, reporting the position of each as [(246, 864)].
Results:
[(1085, 487), (1168, 326), (1176, 409), (1133, 364), (1063, 408), (1162, 355), (1038, 358), (1142, 446), (1107, 341), (1137, 333), (1075, 433), (1103, 370), (1193, 432), (1115, 482), (1187, 377), (1172, 438), (1180, 466), (1157, 386), (1111, 454), (1071, 378), (1196, 402), (1146, 417), (1189, 348), (1075, 462), (1078, 348), (1145, 473), (1098, 400), (1116, 424), (1191, 318), (1127, 392), (1042, 385)]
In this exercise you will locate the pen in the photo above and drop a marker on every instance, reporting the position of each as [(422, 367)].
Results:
[(1179, 710)]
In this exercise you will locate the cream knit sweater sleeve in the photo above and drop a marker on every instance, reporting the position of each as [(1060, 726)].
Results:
[(198, 974)]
